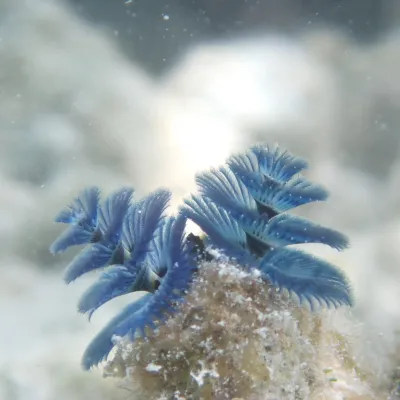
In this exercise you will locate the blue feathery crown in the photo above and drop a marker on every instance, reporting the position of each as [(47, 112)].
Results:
[(242, 207)]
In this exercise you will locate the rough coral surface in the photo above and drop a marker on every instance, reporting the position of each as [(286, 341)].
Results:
[(236, 337)]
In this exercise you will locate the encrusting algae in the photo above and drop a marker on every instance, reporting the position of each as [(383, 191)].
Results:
[(237, 337)]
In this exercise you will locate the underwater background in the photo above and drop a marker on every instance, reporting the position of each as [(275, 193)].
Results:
[(147, 94)]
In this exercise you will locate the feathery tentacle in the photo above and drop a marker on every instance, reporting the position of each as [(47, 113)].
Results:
[(107, 248), (225, 189), (82, 215), (112, 215), (180, 271), (278, 164), (224, 232), (139, 226), (159, 247), (306, 276), (74, 235), (263, 233), (287, 229), (101, 345), (141, 222), (144, 313), (115, 281), (92, 257), (274, 197), (83, 209)]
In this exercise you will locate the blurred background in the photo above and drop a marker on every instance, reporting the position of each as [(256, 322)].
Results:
[(146, 93)]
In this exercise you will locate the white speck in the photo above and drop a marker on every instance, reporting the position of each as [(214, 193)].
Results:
[(42, 186), (165, 17), (116, 339), (263, 332), (199, 378), (153, 367)]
